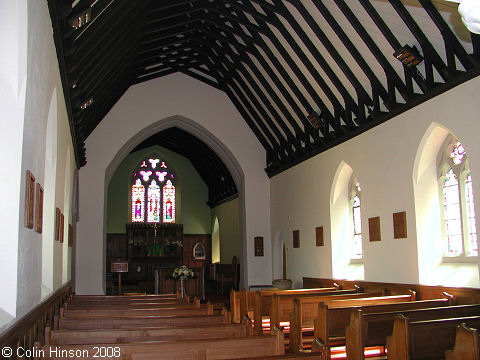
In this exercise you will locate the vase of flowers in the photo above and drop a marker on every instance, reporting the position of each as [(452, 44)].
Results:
[(182, 273)]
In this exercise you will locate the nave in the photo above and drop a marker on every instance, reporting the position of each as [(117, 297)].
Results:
[(326, 319)]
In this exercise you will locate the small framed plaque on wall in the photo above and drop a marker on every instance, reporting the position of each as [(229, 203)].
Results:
[(29, 199), (374, 228), (400, 225), (296, 238), (258, 245), (319, 236)]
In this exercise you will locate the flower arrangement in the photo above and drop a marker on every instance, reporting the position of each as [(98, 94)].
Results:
[(182, 273), (174, 243)]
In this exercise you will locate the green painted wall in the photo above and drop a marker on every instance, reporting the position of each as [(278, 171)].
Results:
[(192, 194), (227, 215)]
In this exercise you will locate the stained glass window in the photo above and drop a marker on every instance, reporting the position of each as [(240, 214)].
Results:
[(472, 245), (357, 252), (153, 202), (452, 212), (138, 201), (153, 192), (458, 206), (169, 202)]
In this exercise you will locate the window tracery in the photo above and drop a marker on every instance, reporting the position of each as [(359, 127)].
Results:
[(153, 192), (458, 213)]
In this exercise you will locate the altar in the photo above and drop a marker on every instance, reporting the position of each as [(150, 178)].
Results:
[(153, 251)]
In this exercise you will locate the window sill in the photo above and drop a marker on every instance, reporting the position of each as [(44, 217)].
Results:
[(460, 260)]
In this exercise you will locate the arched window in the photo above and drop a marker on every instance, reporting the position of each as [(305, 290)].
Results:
[(153, 192), (356, 219), (458, 215)]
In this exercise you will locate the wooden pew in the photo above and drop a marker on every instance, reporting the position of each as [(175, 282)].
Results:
[(331, 316), (178, 303), (282, 306), (116, 336), (411, 340), (134, 312), (242, 302), (372, 329), (466, 344), (139, 322), (250, 346)]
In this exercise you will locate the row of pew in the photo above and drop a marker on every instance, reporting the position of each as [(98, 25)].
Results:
[(406, 327), (154, 327)]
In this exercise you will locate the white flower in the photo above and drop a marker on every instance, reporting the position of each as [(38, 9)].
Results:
[(182, 273)]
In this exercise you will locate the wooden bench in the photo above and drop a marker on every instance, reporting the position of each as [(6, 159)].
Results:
[(282, 306), (430, 339), (116, 336), (178, 303), (242, 302), (134, 312), (330, 318), (139, 322), (250, 346), (466, 344), (372, 329)]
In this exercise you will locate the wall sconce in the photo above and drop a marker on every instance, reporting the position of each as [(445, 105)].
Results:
[(408, 56), (80, 19), (314, 120)]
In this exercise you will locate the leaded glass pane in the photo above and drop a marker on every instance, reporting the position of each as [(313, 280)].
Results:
[(457, 153), (472, 244), (453, 223), (138, 201), (169, 202), (357, 252), (149, 202), (153, 214)]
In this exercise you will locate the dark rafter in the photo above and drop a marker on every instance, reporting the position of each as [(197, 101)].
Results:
[(264, 55)]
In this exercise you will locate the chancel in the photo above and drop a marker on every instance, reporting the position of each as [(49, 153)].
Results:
[(208, 179)]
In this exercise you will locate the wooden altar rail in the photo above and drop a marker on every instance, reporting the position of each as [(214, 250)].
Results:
[(28, 329), (463, 295)]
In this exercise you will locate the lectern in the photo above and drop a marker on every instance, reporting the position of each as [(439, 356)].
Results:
[(119, 267)]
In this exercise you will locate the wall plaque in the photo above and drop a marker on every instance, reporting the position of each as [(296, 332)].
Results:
[(296, 238), (374, 228), (39, 209), (29, 199), (319, 236), (400, 225), (258, 245)]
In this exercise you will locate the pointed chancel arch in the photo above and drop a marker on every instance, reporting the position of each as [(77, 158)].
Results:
[(431, 171), (342, 225), (209, 139)]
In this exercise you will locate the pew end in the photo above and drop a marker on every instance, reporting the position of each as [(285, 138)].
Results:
[(466, 344), (397, 343), (451, 299)]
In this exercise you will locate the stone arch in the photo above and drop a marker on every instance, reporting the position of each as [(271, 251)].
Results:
[(431, 268), (340, 223), (209, 139)]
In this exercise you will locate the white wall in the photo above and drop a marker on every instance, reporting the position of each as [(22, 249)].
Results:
[(13, 77), (43, 82), (151, 106), (383, 160)]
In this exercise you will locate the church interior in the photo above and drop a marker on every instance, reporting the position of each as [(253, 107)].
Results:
[(247, 163)]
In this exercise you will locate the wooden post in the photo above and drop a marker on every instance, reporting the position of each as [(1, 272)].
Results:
[(119, 283)]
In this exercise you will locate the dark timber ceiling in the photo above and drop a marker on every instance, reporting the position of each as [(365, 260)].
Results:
[(280, 62)]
